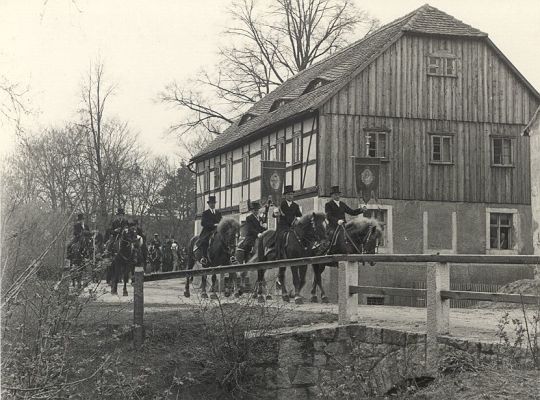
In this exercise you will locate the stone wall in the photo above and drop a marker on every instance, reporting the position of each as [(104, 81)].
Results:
[(304, 363)]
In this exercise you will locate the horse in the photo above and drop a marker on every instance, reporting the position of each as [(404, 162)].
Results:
[(358, 236), (129, 254), (221, 251), (167, 262), (154, 257), (304, 237), (78, 253)]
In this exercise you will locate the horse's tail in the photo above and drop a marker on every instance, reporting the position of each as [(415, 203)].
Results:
[(191, 252)]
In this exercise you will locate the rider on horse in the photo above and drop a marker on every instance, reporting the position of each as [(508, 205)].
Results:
[(335, 211), (144, 248), (155, 241), (79, 228), (118, 224), (287, 213), (209, 221), (253, 228)]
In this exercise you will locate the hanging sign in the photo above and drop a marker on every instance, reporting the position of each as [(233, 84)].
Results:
[(367, 177), (272, 179)]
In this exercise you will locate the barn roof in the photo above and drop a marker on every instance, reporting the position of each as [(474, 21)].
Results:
[(335, 71)]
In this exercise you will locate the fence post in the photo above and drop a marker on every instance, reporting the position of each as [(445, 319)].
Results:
[(138, 307), (347, 303), (438, 310)]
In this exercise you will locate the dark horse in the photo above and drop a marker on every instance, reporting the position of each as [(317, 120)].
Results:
[(129, 255), (79, 252), (358, 236), (304, 237), (221, 251)]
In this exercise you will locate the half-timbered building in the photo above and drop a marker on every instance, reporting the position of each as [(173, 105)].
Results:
[(429, 95)]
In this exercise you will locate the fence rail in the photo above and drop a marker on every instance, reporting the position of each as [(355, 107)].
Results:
[(437, 291)]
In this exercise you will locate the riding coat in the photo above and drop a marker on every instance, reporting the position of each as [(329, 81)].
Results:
[(287, 214), (79, 227), (209, 220), (119, 223), (335, 212), (252, 228)]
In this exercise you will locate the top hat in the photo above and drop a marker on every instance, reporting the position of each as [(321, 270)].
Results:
[(80, 216), (120, 211), (211, 199), (155, 234), (255, 205), (334, 190), (288, 189)]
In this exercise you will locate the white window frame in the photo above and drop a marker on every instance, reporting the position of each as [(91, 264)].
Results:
[(516, 231), (217, 175), (388, 248), (206, 179), (374, 135), (442, 137)]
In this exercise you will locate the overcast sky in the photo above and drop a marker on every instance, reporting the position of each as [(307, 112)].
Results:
[(49, 45)]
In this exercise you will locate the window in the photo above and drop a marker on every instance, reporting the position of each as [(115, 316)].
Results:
[(278, 103), (297, 148), (245, 118), (442, 66), (217, 176), (502, 151), (441, 149), (500, 231), (229, 171), (265, 152), (207, 179), (376, 144), (315, 84), (245, 166), (280, 149)]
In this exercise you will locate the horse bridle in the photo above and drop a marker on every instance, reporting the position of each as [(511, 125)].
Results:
[(333, 242)]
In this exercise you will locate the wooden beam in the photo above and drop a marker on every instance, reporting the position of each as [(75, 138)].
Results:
[(387, 258), (387, 291), (499, 297)]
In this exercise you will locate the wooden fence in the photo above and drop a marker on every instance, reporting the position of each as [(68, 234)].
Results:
[(437, 292)]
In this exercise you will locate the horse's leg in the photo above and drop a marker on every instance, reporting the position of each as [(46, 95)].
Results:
[(213, 294), (316, 269), (324, 298), (203, 287), (127, 270), (281, 283), (296, 283), (113, 278)]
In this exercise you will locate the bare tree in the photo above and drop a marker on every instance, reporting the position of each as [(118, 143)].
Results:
[(13, 102), (95, 94), (270, 44)]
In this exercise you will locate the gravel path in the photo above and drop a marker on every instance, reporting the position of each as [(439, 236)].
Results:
[(469, 324)]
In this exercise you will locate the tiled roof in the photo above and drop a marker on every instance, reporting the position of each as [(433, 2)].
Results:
[(337, 69)]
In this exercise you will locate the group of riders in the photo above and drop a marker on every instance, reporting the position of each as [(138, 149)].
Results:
[(158, 255), (286, 214), (125, 241), (296, 236)]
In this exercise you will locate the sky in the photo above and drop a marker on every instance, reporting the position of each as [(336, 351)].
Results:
[(49, 45)]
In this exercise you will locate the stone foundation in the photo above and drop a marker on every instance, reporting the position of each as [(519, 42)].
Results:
[(302, 363)]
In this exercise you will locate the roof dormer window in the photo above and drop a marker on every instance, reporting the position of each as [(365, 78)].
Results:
[(278, 103), (245, 118), (315, 84)]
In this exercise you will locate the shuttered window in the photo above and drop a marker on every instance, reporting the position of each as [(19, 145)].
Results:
[(217, 176), (297, 148), (245, 166), (280, 149), (265, 152), (229, 171)]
